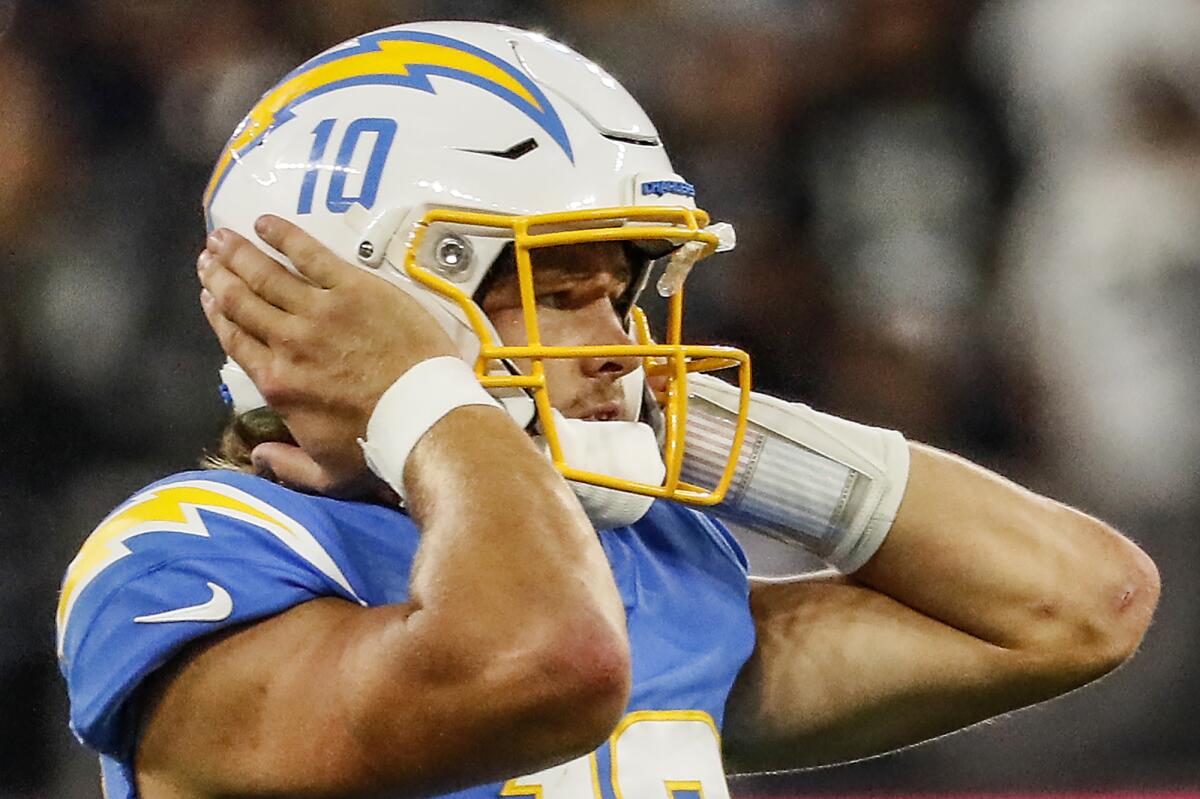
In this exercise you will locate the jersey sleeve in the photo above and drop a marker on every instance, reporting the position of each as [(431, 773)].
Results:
[(177, 563)]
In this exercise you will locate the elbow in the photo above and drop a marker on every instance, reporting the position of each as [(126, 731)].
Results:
[(1131, 606), (558, 688), (570, 678), (582, 682), (1116, 610)]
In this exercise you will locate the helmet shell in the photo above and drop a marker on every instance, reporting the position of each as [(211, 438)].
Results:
[(461, 115)]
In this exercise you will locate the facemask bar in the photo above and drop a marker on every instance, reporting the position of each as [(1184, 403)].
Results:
[(671, 359)]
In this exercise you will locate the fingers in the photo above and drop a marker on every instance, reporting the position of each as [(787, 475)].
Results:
[(249, 352), (265, 276), (241, 306), (292, 466), (311, 258)]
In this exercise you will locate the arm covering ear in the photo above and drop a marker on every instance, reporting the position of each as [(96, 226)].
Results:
[(827, 484)]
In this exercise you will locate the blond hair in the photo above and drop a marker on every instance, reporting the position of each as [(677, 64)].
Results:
[(241, 435)]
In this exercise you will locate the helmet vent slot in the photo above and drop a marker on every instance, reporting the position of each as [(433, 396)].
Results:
[(512, 153), (642, 141)]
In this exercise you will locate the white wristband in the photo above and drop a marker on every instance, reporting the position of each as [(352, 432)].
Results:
[(413, 404)]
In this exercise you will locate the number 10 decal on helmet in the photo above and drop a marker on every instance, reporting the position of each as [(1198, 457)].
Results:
[(420, 152)]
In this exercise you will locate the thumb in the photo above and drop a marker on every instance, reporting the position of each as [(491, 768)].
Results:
[(291, 466)]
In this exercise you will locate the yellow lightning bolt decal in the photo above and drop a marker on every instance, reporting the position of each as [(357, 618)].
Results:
[(400, 58), (175, 509)]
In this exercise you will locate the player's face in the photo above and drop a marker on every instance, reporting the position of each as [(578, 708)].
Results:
[(576, 287)]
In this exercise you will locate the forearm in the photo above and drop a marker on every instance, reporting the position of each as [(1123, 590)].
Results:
[(1008, 566), (983, 598), (941, 535), (507, 555), (512, 613)]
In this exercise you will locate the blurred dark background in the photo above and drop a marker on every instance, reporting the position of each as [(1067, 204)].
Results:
[(978, 222)]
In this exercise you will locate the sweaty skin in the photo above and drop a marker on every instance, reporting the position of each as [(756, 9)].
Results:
[(984, 597)]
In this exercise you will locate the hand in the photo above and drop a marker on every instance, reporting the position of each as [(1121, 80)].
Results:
[(321, 350)]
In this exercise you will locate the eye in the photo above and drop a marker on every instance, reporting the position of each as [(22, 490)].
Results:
[(555, 299), (568, 295)]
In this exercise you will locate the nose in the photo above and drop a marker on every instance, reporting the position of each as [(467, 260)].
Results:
[(604, 327)]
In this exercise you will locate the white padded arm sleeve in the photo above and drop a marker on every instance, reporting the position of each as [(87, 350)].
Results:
[(805, 477)]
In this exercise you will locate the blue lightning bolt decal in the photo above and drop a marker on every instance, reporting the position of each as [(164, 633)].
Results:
[(397, 58)]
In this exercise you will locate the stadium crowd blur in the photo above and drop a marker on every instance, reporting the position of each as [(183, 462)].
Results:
[(976, 222)]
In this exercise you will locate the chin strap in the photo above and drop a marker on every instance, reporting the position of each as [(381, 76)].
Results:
[(625, 450)]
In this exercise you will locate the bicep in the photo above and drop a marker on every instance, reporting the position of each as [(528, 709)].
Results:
[(842, 672), (260, 709), (329, 699), (325, 699)]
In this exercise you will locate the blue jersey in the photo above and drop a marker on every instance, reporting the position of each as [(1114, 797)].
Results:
[(201, 551)]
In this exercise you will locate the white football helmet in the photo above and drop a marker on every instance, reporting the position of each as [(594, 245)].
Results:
[(418, 152)]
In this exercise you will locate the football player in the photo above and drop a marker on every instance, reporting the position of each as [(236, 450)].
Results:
[(468, 535)]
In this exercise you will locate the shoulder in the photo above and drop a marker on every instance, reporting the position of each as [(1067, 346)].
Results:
[(179, 560), (207, 515)]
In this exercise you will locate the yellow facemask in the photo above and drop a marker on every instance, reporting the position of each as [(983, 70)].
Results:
[(672, 359)]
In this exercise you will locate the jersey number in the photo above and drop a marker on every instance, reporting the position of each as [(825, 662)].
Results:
[(336, 198), (656, 754)]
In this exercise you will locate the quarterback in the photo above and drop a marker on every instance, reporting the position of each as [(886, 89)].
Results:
[(465, 533)]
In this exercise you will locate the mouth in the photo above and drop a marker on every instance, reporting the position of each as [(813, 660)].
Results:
[(604, 412)]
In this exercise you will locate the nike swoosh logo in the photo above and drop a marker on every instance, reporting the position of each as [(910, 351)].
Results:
[(216, 609)]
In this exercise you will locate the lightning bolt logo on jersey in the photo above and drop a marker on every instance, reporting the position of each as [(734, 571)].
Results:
[(203, 551), (397, 58), (176, 509)]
